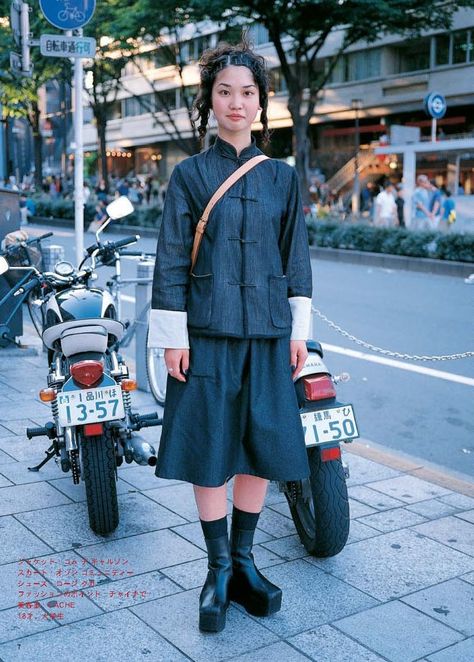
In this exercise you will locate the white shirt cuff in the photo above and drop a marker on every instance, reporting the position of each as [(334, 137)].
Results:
[(168, 329), (301, 316)]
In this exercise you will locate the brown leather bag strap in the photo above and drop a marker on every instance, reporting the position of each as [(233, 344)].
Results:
[(223, 188)]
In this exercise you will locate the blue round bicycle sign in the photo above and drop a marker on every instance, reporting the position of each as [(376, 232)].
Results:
[(68, 14), (435, 105)]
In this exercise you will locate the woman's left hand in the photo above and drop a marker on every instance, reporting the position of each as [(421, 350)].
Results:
[(298, 355)]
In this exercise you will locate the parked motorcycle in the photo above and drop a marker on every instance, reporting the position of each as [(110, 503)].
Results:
[(319, 505), (89, 387)]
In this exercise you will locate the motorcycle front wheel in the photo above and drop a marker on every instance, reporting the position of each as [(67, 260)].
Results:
[(156, 372), (98, 471), (323, 520)]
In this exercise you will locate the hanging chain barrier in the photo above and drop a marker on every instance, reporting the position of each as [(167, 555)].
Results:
[(387, 352)]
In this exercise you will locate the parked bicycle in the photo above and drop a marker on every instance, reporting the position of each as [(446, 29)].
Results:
[(111, 256)]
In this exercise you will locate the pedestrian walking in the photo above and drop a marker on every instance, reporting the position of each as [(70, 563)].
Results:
[(234, 321), (448, 212), (421, 215), (385, 207), (435, 203), (400, 203)]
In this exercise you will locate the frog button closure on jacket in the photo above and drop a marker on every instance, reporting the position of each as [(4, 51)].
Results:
[(254, 254)]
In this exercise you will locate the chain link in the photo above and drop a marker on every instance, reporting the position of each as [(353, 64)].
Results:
[(387, 352)]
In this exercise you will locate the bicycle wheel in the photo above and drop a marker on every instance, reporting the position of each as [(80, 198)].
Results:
[(156, 372)]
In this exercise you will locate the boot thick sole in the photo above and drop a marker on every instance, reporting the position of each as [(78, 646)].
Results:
[(256, 604), (212, 621)]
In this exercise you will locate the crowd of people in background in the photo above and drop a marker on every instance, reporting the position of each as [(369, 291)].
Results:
[(383, 204), (433, 207), (141, 191)]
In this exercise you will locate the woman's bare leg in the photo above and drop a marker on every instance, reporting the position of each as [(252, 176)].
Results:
[(211, 502), (249, 493)]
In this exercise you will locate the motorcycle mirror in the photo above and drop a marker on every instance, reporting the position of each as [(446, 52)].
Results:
[(119, 208), (4, 266)]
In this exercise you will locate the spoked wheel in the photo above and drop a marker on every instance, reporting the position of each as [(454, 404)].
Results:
[(99, 473), (322, 520), (156, 372)]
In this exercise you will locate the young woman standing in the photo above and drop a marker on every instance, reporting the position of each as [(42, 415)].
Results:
[(234, 326)]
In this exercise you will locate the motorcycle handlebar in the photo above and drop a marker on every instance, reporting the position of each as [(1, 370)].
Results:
[(27, 287), (126, 241), (112, 245), (40, 238)]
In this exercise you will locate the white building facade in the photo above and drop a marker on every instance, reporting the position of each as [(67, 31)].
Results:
[(389, 77)]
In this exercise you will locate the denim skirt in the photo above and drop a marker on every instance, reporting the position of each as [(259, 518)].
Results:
[(237, 413)]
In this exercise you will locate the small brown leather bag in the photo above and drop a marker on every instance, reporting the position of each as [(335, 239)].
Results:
[(223, 188)]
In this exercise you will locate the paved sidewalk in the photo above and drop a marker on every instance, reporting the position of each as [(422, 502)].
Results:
[(401, 590)]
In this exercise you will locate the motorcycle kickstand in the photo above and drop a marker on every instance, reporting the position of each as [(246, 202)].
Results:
[(50, 453)]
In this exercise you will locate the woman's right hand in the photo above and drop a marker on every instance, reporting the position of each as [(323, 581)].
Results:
[(177, 363)]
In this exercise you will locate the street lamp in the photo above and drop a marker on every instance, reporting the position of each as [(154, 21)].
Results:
[(356, 105)]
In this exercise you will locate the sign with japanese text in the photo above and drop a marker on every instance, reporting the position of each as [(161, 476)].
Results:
[(68, 14), (55, 45)]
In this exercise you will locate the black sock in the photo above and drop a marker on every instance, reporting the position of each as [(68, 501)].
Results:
[(244, 520), (214, 528)]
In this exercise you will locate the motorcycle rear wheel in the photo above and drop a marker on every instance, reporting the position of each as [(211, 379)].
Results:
[(98, 471), (323, 522)]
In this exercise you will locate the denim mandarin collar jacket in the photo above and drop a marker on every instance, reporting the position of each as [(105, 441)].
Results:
[(252, 278)]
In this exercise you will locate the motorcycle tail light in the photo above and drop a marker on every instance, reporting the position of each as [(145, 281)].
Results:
[(87, 373), (318, 387), (328, 454), (93, 429)]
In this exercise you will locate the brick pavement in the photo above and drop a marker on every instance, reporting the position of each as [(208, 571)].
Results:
[(401, 590)]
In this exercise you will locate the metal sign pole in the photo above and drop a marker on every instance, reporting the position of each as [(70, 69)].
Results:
[(78, 159), (433, 130)]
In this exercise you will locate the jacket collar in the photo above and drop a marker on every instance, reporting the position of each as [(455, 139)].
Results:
[(223, 148)]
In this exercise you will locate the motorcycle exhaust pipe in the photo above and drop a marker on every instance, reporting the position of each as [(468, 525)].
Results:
[(140, 451)]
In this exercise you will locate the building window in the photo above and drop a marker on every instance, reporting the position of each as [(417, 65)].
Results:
[(165, 100), (413, 56), (191, 51), (258, 34), (134, 106), (357, 66), (454, 48), (114, 112), (190, 92), (442, 42), (461, 47), (277, 81)]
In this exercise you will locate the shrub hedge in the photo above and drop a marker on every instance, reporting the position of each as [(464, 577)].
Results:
[(329, 234), (141, 217), (397, 241)]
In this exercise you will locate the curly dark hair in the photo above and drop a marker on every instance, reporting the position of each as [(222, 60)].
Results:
[(211, 63)]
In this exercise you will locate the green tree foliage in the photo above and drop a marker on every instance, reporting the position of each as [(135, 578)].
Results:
[(19, 94), (310, 24)]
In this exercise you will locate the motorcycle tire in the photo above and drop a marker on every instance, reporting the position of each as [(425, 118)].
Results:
[(323, 521), (98, 471), (156, 372)]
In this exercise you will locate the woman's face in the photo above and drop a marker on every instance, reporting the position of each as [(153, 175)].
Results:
[(235, 100)]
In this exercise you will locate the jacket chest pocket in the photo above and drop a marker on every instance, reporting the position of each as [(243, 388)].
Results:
[(199, 305), (280, 311)]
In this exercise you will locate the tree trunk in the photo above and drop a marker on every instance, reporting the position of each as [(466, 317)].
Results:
[(301, 151), (37, 147), (101, 131)]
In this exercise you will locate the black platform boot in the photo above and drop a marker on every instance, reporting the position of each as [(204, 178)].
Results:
[(214, 598), (248, 586)]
